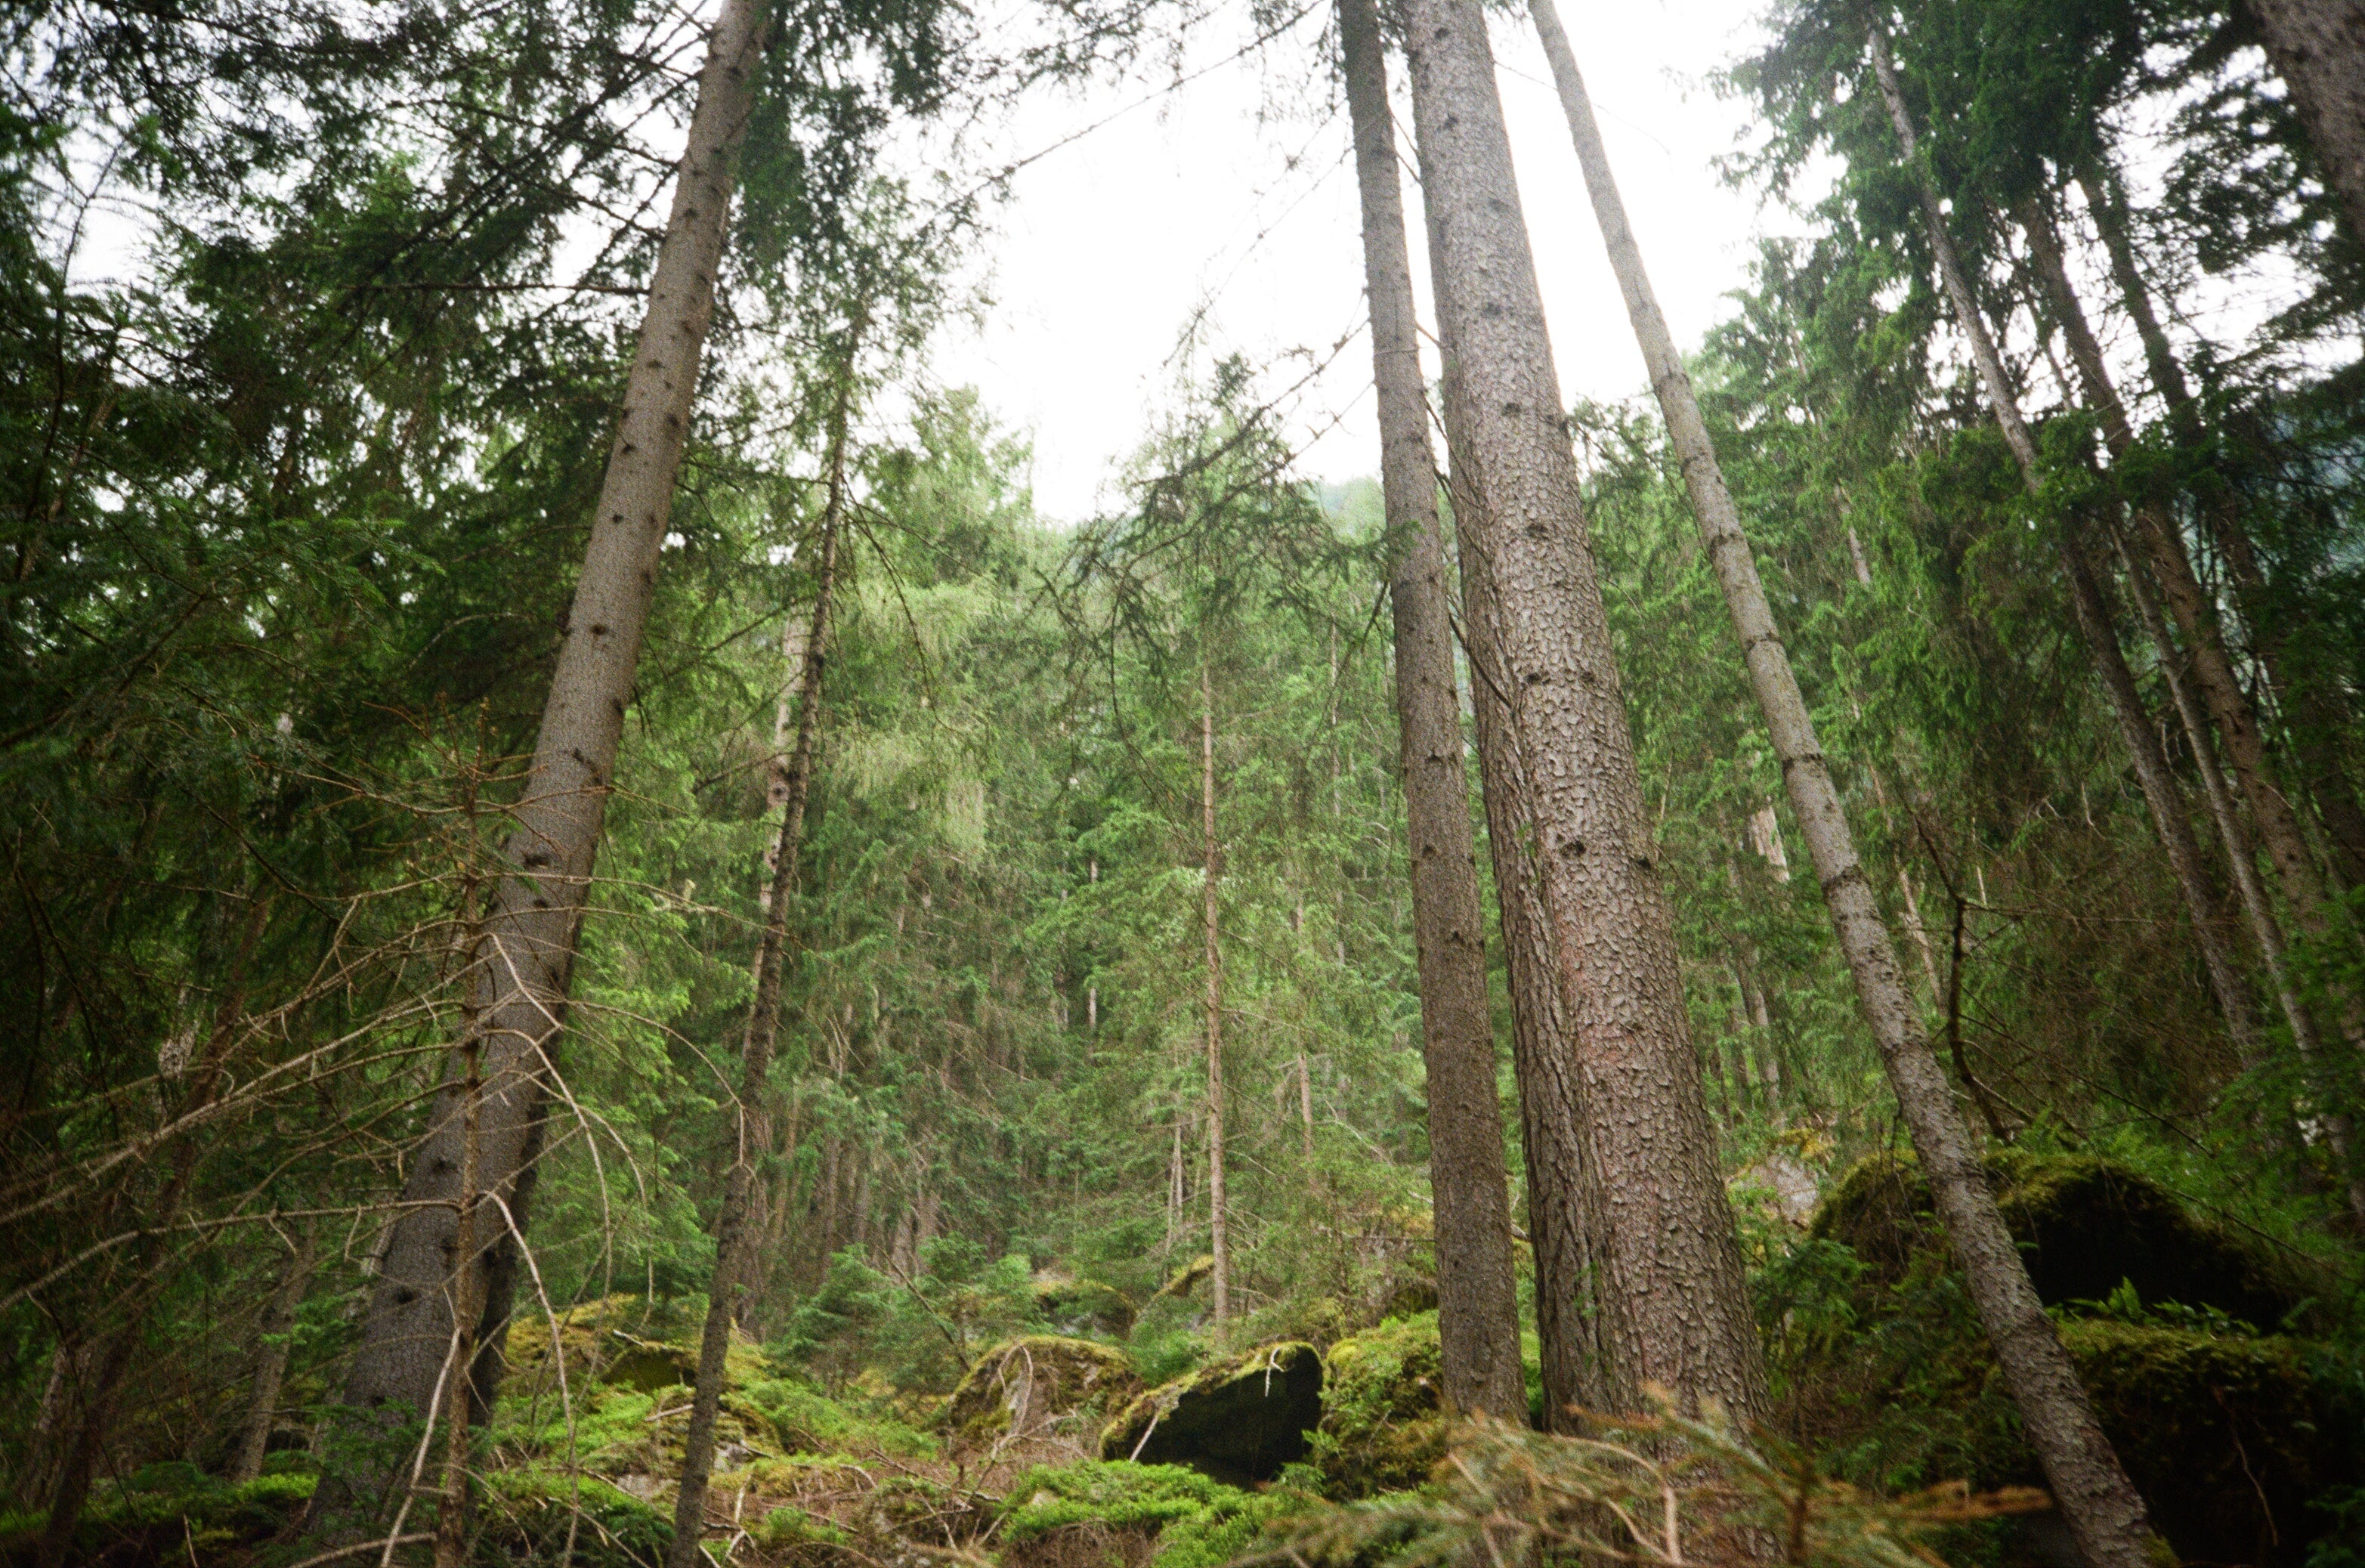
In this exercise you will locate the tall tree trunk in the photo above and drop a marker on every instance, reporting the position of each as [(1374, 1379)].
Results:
[(523, 963), (1220, 1282), (735, 1272), (2318, 48), (272, 1345), (2102, 1508), (1564, 1197), (1673, 1258), (1477, 1300)]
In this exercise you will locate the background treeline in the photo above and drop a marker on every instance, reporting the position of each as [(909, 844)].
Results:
[(298, 478)]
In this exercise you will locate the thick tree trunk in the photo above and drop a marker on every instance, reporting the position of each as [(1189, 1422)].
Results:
[(1477, 1300), (1565, 1200), (2105, 1513), (1673, 1260), (518, 981), (735, 1269), (1220, 1283), (2318, 48)]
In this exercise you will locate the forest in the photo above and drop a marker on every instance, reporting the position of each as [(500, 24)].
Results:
[(615, 952)]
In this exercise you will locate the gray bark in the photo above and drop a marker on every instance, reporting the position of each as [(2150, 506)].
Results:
[(271, 1348), (2318, 48), (2104, 1512), (520, 970), (736, 1271), (1672, 1260), (1477, 1300)]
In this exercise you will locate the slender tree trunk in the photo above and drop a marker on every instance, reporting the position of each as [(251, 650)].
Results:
[(523, 964), (1220, 1283), (2318, 48), (2102, 1510), (735, 1272), (272, 1345), (1478, 1313), (452, 1508), (146, 1278), (2213, 671), (2206, 649), (1673, 1260)]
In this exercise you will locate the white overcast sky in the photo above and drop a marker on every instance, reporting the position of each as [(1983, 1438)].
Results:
[(1235, 193)]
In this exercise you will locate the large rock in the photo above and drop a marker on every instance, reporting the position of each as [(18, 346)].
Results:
[(1238, 1421), (2084, 1226), (1381, 1409), (2229, 1433), (1037, 1386)]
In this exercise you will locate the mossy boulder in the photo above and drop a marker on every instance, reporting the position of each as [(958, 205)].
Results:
[(1383, 1425), (1189, 1277), (1117, 1514), (2228, 1437), (1035, 1386), (2229, 1433), (623, 1341), (167, 1513), (1238, 1419), (1083, 1306), (2084, 1224)]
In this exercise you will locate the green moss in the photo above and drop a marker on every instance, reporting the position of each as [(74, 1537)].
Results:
[(1240, 1420), (1083, 1306), (1036, 1382), (168, 1509), (2083, 1224), (2228, 1433), (1383, 1427), (809, 1422), (2227, 1437), (1194, 1521), (1111, 1492), (535, 1516)]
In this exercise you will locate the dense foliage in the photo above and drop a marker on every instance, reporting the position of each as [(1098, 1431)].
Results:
[(296, 464)]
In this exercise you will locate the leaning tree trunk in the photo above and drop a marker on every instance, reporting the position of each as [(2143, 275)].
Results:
[(1219, 1284), (1672, 1258), (1477, 1301), (521, 970), (2118, 437), (2101, 1504), (734, 1239), (2318, 48)]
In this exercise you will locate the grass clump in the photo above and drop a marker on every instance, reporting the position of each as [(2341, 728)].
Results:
[(1163, 1514)]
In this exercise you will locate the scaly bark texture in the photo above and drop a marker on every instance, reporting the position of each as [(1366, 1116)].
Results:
[(1564, 1201), (1477, 1300), (1672, 1261), (2319, 47), (2104, 1512), (522, 968), (734, 1238)]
